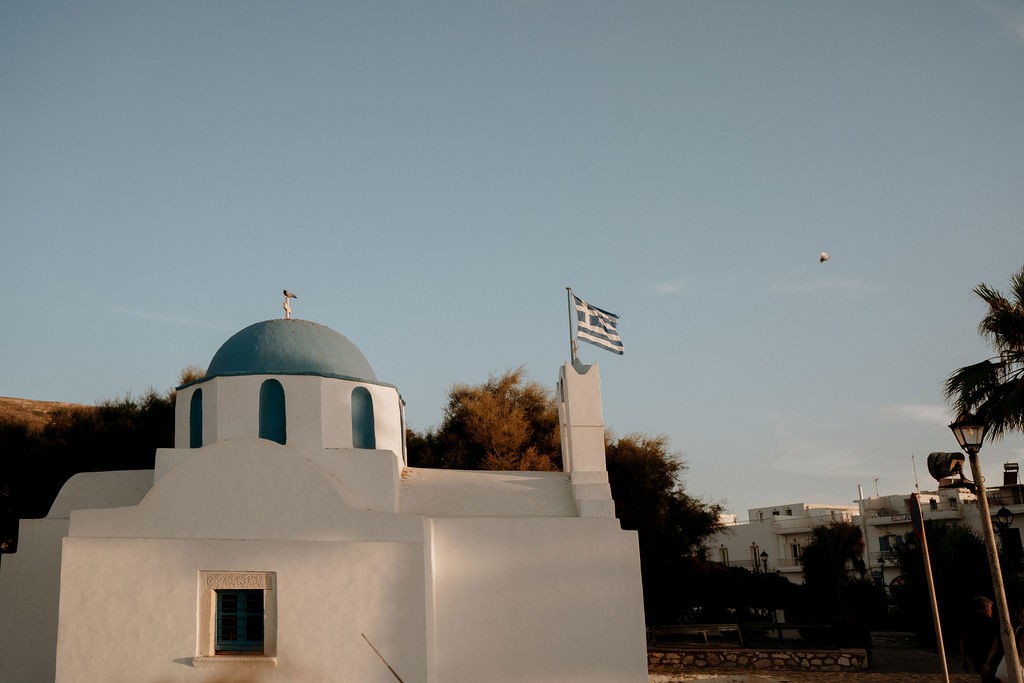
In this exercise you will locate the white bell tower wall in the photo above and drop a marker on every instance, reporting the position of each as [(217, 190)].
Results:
[(582, 429)]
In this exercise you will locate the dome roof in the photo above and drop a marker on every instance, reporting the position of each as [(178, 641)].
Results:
[(290, 347)]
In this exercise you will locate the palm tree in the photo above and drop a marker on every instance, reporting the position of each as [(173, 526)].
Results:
[(993, 390)]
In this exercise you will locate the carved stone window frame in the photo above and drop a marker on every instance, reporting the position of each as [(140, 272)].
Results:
[(212, 581)]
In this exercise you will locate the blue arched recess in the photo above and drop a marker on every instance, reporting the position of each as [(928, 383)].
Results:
[(195, 420), (364, 434), (272, 417)]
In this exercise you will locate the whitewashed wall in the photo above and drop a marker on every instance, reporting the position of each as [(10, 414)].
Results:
[(30, 578), (535, 600), (128, 610)]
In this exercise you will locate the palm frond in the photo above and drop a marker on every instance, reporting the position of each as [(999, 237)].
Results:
[(993, 389), (971, 385)]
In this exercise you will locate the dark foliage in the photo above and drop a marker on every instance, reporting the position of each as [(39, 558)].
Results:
[(115, 435), (959, 570), (649, 498), (718, 593), (837, 590)]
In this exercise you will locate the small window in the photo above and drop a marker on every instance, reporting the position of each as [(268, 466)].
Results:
[(239, 621), (272, 415), (775, 513), (789, 512), (363, 430), (933, 504), (952, 503), (723, 555), (796, 551)]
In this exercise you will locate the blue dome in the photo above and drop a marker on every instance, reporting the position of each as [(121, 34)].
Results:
[(290, 347)]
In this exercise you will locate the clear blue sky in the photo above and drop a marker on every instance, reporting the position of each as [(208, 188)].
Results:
[(430, 176)]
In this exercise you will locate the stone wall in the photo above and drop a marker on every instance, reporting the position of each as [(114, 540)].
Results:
[(852, 659)]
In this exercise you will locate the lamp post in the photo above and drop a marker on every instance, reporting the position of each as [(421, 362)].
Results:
[(969, 432)]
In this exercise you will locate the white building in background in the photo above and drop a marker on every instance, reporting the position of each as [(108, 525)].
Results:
[(773, 538), (284, 538), (886, 519)]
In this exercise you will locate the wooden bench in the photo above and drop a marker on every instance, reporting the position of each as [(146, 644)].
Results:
[(778, 627), (663, 632)]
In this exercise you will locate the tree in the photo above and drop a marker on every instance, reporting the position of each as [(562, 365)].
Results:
[(959, 570), (506, 423), (838, 591), (832, 560), (994, 388)]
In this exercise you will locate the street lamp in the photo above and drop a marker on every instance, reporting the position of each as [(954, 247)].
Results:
[(969, 432), (764, 561)]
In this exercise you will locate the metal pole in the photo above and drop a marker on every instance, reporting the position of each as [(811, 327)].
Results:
[(931, 589), (864, 528), (1003, 611)]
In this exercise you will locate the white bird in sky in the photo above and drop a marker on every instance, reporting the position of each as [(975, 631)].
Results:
[(823, 256)]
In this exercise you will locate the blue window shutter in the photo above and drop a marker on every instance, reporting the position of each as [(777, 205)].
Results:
[(272, 411), (364, 433), (239, 621)]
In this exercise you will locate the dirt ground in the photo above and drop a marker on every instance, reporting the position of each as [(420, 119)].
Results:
[(894, 659)]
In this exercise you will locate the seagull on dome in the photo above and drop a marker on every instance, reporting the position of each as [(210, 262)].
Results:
[(287, 306), (823, 256)]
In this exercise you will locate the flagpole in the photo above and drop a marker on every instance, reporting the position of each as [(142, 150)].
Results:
[(572, 345)]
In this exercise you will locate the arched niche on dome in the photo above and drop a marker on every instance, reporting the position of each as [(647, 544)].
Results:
[(273, 423), (195, 420), (364, 434)]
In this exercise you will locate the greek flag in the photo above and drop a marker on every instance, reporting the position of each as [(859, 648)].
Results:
[(597, 326)]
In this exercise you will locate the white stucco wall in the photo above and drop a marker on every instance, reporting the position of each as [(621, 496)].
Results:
[(463, 493), (248, 489), (535, 600), (128, 612), (582, 421), (30, 578), (29, 583)]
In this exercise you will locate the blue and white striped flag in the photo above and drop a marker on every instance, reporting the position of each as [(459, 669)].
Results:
[(597, 326)]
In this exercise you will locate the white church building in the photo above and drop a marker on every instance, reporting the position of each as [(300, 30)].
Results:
[(284, 538)]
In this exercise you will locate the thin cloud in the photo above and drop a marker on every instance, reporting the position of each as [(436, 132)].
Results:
[(670, 287), (800, 455), (1009, 15), (162, 318), (852, 286), (918, 412)]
